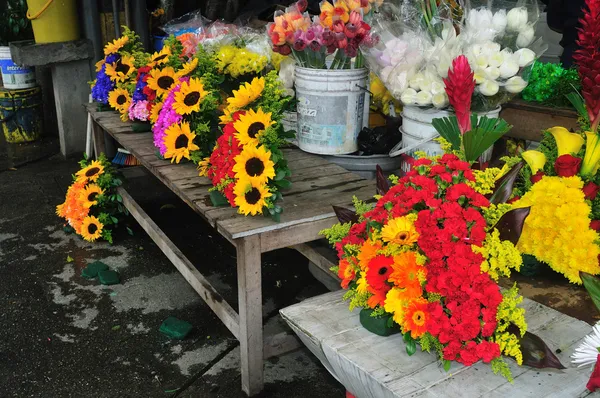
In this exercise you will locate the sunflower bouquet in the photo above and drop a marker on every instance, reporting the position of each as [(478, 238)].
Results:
[(92, 208), (428, 254)]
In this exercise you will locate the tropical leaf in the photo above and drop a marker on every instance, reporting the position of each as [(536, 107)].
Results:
[(510, 225), (579, 104), (504, 186), (345, 215), (483, 135), (382, 183), (449, 130), (535, 352), (592, 285)]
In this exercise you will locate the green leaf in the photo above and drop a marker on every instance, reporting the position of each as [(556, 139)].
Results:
[(119, 199), (449, 130), (390, 322), (283, 184), (218, 199), (280, 175), (485, 133), (510, 225), (411, 347), (579, 104), (504, 186), (129, 231), (115, 220), (447, 365), (592, 285)]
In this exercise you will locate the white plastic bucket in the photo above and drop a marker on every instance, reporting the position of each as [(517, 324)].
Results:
[(331, 109), (289, 121), (416, 126), (15, 77)]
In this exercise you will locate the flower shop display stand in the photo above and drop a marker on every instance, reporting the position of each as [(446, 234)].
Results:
[(317, 184), (370, 366), (529, 120)]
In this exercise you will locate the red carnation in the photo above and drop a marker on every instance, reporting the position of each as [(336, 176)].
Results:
[(595, 225), (567, 165), (537, 177), (591, 190), (488, 351), (459, 87)]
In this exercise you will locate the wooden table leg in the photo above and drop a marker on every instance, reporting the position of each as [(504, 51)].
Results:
[(99, 145), (250, 311)]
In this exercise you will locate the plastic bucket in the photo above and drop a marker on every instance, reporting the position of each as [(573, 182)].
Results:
[(289, 121), (331, 109), (53, 20), (15, 77), (366, 166), (158, 42), (416, 126), (21, 114)]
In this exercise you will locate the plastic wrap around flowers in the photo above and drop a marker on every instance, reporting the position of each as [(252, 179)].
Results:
[(429, 255)]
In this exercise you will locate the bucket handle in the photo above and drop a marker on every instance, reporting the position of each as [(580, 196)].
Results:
[(396, 151), (40, 12)]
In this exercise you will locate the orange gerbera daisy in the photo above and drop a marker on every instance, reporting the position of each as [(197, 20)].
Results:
[(377, 298), (346, 273), (407, 273), (380, 269), (415, 318), (368, 251)]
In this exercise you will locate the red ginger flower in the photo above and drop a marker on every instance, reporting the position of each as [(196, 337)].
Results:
[(459, 87), (587, 58)]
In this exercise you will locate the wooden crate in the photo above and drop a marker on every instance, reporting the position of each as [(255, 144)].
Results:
[(529, 120)]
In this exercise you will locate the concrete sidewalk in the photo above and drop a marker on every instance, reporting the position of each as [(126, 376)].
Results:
[(65, 336)]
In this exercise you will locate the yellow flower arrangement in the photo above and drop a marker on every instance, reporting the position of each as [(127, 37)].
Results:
[(254, 164), (116, 45), (250, 196), (500, 256), (485, 180), (557, 230), (189, 98), (179, 141), (251, 126), (236, 61), (246, 94)]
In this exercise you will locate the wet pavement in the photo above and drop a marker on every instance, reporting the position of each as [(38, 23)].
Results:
[(66, 336)]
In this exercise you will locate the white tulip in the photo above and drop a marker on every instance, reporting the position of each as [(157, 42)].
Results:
[(438, 87), (495, 60), (490, 48), (479, 75), (489, 88), (440, 100), (525, 37), (476, 49), (425, 84), (409, 97), (385, 73), (416, 81), (508, 69), (400, 81), (516, 19), (424, 98), (481, 61), (492, 73), (515, 85), (525, 57), (499, 21)]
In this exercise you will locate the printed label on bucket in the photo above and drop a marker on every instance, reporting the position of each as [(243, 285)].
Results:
[(322, 135)]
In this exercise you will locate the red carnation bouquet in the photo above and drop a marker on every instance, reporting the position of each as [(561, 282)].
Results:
[(428, 256)]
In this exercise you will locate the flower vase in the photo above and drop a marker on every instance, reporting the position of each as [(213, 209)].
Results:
[(218, 199), (141, 127), (377, 325)]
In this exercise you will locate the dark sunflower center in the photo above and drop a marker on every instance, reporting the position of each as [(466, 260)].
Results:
[(92, 196), (402, 236), (123, 68), (181, 142), (165, 82), (252, 196), (383, 270), (92, 172), (121, 99), (160, 57), (92, 228), (255, 128), (254, 167), (192, 98)]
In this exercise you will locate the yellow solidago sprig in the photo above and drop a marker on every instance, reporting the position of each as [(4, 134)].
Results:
[(510, 314), (557, 230), (500, 256), (485, 180)]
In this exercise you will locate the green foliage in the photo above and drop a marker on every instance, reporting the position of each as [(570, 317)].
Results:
[(176, 47), (550, 83), (336, 233), (500, 367), (449, 130), (578, 103), (14, 26), (274, 98), (429, 343), (378, 312), (484, 133), (361, 207)]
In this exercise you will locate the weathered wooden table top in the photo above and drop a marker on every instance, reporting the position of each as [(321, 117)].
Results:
[(316, 185), (372, 366)]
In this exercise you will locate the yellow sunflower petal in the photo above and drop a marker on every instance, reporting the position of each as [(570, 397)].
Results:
[(251, 126), (254, 164), (119, 99), (90, 172), (90, 194), (250, 196), (121, 70), (91, 228), (188, 67), (155, 111), (189, 98), (116, 45), (246, 94), (179, 141), (161, 57), (162, 80)]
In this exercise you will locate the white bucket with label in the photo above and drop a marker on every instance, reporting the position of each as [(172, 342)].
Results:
[(331, 109), (417, 127), (15, 77)]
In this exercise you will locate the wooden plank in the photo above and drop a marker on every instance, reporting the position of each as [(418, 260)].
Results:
[(279, 344), (321, 261), (529, 125), (99, 144), (250, 311), (208, 293)]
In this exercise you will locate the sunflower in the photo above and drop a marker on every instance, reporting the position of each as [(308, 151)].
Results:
[(204, 166), (90, 194), (250, 196), (246, 94), (380, 268), (116, 45), (255, 164), (401, 231), (162, 80), (90, 172), (179, 141), (415, 318), (251, 126), (188, 67), (155, 111), (99, 64), (189, 97), (91, 228), (121, 70), (160, 58), (119, 99), (227, 116)]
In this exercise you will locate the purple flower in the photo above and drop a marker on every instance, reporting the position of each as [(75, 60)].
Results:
[(102, 87), (138, 110), (166, 118)]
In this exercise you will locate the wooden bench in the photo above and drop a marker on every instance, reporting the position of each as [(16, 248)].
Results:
[(317, 185), (370, 366)]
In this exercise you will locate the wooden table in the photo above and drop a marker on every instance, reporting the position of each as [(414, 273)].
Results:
[(370, 366), (317, 185)]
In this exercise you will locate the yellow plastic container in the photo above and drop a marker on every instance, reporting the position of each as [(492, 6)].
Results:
[(53, 20)]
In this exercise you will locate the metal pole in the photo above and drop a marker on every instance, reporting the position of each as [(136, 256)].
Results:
[(91, 29), (115, 8), (139, 21)]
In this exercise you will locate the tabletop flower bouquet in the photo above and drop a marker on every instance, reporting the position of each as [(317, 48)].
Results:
[(427, 256), (92, 208), (560, 182), (247, 167)]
